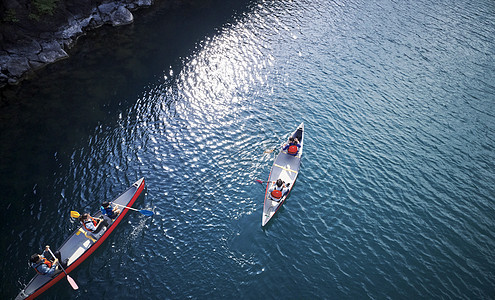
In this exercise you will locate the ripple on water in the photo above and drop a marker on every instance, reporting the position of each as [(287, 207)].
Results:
[(394, 195)]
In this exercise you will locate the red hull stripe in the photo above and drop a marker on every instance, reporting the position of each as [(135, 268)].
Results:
[(90, 250)]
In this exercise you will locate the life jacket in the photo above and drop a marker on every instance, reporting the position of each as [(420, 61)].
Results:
[(110, 213), (276, 194), (43, 261), (87, 221), (292, 150)]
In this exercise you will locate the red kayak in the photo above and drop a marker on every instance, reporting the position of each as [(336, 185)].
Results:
[(81, 244)]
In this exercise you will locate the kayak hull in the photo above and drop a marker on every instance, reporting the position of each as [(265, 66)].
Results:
[(81, 244), (285, 167)]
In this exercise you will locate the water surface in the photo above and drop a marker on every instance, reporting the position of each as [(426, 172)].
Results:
[(394, 198)]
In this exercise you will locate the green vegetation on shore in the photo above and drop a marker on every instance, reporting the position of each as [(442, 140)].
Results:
[(37, 10), (10, 16), (41, 8)]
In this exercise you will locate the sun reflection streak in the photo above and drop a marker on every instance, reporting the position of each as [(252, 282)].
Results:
[(227, 67)]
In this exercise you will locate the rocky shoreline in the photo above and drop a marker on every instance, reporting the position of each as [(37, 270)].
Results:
[(28, 45)]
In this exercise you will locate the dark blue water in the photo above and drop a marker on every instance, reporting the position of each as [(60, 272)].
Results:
[(395, 194)]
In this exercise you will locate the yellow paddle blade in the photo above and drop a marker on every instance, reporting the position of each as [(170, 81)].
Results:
[(74, 214)]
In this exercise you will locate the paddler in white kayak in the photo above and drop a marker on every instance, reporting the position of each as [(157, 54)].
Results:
[(292, 146), (278, 190)]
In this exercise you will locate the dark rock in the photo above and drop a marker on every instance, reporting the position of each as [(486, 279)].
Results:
[(12, 81), (106, 11), (115, 14), (23, 48), (95, 21), (51, 52), (27, 43), (139, 3), (16, 66), (121, 16), (36, 64), (72, 30)]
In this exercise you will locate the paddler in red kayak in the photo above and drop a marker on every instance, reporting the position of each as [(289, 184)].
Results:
[(109, 212), (44, 266), (91, 224)]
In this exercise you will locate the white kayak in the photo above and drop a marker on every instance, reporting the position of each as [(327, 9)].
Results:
[(80, 244), (285, 167)]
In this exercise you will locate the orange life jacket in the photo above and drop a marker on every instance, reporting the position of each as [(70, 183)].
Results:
[(87, 221), (276, 194), (43, 261), (292, 150)]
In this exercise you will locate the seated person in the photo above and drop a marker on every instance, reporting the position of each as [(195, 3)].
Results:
[(292, 146), (107, 210), (44, 266), (278, 190), (91, 224)]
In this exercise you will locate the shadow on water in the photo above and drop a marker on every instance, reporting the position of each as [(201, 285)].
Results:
[(44, 120)]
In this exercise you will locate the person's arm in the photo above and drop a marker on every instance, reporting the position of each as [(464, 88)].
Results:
[(49, 271), (46, 253), (98, 222), (43, 269), (285, 191)]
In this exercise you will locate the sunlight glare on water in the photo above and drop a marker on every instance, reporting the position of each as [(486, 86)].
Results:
[(394, 196), (240, 93)]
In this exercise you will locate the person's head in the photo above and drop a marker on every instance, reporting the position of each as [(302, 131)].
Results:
[(291, 139), (279, 182), (34, 258), (105, 204), (85, 216)]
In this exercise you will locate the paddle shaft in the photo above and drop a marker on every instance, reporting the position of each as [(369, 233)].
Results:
[(54, 257), (71, 281), (126, 206), (280, 144), (142, 211), (261, 182)]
